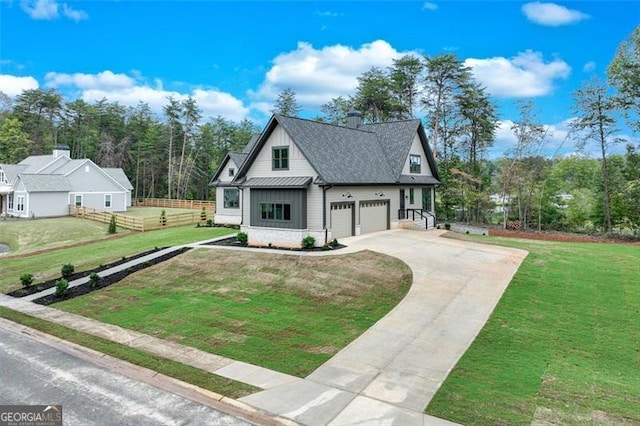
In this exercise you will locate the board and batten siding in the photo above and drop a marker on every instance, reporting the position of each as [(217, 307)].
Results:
[(224, 174), (296, 198), (417, 149)]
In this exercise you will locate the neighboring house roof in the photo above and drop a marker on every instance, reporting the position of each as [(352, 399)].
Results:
[(370, 154), (36, 162), (67, 167), (119, 176), (55, 163), (45, 183), (278, 182), (11, 171)]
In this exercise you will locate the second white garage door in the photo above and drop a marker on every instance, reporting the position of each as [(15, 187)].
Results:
[(374, 216), (342, 220)]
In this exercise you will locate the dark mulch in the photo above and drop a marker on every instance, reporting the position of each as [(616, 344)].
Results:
[(233, 242), (22, 292), (108, 280)]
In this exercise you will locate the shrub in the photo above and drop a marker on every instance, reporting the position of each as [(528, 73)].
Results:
[(203, 215), (308, 242), (243, 238), (112, 224), (67, 270), (163, 218), (61, 287), (447, 226), (26, 280), (209, 223), (334, 243), (326, 247), (94, 279)]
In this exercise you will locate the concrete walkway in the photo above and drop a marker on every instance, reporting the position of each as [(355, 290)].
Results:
[(390, 373)]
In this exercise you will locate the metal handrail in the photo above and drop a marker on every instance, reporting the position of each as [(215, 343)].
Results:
[(403, 214)]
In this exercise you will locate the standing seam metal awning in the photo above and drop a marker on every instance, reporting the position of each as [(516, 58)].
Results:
[(277, 182)]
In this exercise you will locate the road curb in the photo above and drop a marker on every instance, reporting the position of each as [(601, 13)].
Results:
[(186, 390)]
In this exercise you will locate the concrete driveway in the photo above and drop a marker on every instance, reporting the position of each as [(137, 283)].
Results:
[(390, 373)]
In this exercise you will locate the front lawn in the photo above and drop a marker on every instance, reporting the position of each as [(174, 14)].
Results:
[(561, 346), (26, 236), (283, 312), (47, 266)]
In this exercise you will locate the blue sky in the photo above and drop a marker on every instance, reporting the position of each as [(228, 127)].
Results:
[(235, 57)]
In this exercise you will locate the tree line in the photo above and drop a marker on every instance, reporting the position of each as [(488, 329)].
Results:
[(174, 154)]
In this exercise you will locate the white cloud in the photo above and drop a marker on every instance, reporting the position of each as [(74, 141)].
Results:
[(589, 67), (48, 10), (104, 80), (551, 14), (75, 15), (12, 85), (328, 14), (429, 6), (556, 142), (129, 91), (318, 75), (524, 75)]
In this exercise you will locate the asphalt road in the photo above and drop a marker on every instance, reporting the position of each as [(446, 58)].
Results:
[(32, 372)]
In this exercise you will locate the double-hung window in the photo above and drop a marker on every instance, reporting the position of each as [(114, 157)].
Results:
[(10, 202), (280, 157), (20, 202), (78, 200), (414, 163)]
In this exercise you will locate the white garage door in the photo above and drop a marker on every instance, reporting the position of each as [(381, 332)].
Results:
[(374, 216), (342, 220)]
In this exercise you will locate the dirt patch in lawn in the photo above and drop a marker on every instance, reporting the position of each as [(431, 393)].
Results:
[(559, 236)]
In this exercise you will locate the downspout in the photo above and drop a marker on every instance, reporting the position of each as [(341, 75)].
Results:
[(325, 188)]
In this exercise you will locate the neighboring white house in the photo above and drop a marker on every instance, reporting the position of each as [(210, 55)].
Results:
[(303, 178), (45, 186)]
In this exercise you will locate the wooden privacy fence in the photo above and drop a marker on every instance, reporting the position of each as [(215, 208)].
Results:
[(138, 223), (209, 206)]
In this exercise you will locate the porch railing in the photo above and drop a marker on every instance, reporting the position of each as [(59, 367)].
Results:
[(420, 213)]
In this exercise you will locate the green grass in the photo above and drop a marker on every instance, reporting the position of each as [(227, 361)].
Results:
[(562, 346), (286, 313), (25, 236), (46, 266), (164, 366)]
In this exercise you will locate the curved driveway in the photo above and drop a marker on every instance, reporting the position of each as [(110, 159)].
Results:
[(390, 373)]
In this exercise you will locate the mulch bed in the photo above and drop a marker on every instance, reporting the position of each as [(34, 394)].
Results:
[(22, 292), (108, 280), (233, 242), (561, 237)]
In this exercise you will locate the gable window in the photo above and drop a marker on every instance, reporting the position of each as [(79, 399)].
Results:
[(280, 156), (231, 198), (107, 201), (10, 202), (411, 196), (232, 172), (275, 211), (20, 202), (2, 176), (78, 201), (414, 163)]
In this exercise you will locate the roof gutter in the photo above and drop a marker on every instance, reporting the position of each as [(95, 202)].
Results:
[(325, 188)]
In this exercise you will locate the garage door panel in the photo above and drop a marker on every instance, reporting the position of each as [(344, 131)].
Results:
[(374, 216), (342, 220)]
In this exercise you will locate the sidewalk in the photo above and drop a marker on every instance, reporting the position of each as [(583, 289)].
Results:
[(390, 373)]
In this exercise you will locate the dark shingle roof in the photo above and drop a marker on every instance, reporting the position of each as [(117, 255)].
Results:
[(340, 155), (396, 138), (238, 158), (251, 144)]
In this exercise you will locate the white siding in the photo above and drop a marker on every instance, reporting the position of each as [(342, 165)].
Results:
[(95, 200), (89, 178), (224, 175), (298, 164), (226, 216), (416, 149)]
